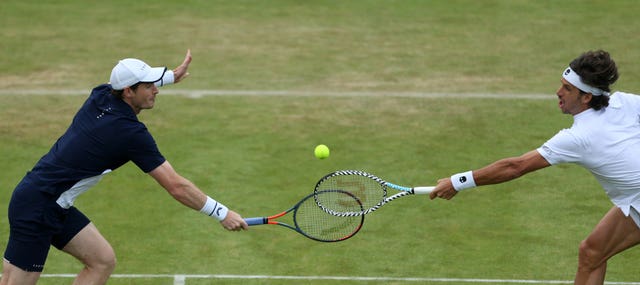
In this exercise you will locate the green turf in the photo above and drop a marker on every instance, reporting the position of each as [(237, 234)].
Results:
[(255, 153), (525, 229), (447, 46)]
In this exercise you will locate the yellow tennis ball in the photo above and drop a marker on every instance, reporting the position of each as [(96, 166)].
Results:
[(321, 151)]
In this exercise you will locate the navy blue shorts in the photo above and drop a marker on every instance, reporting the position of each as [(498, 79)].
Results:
[(35, 223)]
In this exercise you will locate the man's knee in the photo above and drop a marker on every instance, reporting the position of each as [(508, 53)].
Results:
[(590, 257), (104, 262)]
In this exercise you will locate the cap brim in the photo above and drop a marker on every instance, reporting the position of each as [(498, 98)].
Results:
[(155, 74)]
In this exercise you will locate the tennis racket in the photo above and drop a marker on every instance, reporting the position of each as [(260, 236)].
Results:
[(370, 190), (315, 223)]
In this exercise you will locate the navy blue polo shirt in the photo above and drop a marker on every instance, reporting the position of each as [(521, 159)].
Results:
[(104, 135)]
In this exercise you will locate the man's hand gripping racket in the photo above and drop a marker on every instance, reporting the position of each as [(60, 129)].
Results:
[(370, 190)]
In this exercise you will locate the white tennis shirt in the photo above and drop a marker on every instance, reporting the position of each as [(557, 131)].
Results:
[(607, 143)]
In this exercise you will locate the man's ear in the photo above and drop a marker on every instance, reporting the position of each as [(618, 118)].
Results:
[(586, 98), (128, 92)]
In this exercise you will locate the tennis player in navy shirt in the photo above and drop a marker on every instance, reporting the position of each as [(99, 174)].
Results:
[(104, 135)]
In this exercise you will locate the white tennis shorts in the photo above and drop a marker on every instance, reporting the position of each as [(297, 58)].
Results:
[(633, 213)]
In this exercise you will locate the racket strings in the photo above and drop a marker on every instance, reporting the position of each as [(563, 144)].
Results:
[(370, 190), (332, 210), (316, 223)]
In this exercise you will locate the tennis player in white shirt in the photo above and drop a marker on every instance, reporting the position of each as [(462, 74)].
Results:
[(604, 138)]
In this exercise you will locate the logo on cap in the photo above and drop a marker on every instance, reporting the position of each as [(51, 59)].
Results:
[(566, 72)]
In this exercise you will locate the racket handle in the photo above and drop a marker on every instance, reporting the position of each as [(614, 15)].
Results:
[(256, 221), (423, 190)]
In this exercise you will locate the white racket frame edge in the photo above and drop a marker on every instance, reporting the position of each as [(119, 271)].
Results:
[(404, 191)]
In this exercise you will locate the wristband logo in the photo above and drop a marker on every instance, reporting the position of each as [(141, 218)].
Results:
[(216, 210), (462, 179)]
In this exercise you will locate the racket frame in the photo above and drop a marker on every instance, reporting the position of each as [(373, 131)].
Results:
[(404, 191), (271, 220)]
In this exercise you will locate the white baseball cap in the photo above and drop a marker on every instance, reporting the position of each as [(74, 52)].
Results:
[(130, 71)]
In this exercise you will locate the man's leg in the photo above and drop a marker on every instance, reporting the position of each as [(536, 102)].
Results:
[(613, 234), (12, 275), (95, 252)]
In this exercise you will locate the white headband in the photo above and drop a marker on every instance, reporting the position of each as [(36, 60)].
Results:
[(575, 79)]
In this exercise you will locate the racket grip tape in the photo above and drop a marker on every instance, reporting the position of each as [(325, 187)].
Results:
[(423, 190), (256, 221)]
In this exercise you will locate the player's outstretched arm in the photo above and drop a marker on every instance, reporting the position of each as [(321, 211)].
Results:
[(502, 170), (189, 195)]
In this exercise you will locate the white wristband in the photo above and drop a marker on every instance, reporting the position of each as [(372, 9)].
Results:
[(214, 209), (463, 181), (167, 78)]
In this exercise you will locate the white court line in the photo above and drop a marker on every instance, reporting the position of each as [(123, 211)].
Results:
[(293, 93), (180, 279)]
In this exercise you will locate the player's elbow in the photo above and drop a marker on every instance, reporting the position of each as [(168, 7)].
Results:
[(514, 168), (178, 190)]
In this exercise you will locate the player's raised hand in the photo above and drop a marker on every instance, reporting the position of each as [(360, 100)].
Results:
[(181, 72)]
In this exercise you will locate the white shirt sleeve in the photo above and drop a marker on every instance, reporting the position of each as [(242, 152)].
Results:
[(564, 147)]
